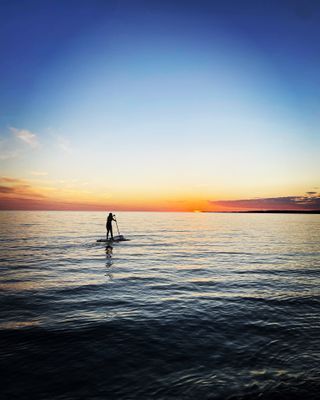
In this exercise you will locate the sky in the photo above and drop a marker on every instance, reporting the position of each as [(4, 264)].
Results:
[(159, 105)]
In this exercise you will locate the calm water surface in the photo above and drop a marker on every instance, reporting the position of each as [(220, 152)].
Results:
[(194, 306)]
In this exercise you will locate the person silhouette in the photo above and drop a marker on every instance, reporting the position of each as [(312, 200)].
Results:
[(109, 225)]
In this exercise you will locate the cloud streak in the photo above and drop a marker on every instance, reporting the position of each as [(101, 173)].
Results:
[(5, 179), (26, 137), (12, 189), (19, 194), (309, 201)]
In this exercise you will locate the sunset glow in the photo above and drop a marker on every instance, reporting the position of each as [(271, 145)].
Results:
[(156, 106)]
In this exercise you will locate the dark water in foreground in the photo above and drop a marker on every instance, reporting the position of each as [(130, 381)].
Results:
[(195, 306)]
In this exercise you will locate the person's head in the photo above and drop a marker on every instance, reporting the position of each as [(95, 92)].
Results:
[(110, 214)]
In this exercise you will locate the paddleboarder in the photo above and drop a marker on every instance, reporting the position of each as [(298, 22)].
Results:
[(110, 218)]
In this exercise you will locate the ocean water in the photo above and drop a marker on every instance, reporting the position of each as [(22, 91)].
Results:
[(194, 306)]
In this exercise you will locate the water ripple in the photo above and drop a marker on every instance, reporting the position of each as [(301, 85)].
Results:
[(194, 306)]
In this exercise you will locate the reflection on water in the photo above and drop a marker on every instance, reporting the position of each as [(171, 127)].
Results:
[(208, 306)]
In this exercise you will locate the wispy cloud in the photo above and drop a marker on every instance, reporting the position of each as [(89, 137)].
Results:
[(11, 188), (19, 194), (311, 193), (309, 201), (6, 179), (26, 136)]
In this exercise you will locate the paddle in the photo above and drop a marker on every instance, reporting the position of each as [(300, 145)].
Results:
[(117, 227)]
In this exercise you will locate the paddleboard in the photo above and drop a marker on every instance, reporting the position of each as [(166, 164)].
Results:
[(119, 238)]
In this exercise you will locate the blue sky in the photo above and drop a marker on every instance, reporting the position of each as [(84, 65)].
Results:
[(195, 101)]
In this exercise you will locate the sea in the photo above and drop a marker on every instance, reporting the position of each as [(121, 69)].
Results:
[(192, 306)]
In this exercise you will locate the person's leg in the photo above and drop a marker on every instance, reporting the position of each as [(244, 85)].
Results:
[(111, 233), (108, 232)]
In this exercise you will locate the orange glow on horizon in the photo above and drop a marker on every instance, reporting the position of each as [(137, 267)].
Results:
[(19, 194)]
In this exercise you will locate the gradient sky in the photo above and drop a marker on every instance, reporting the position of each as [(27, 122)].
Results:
[(159, 105)]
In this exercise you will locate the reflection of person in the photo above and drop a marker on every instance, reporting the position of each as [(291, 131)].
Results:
[(109, 225), (109, 251)]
